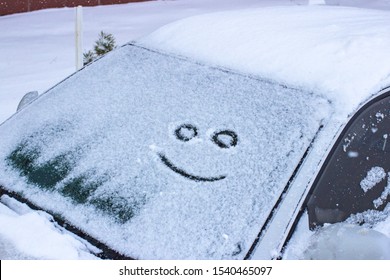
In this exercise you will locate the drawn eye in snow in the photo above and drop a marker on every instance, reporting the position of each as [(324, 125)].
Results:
[(225, 139), (186, 132)]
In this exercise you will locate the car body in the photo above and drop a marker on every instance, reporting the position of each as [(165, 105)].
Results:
[(163, 150)]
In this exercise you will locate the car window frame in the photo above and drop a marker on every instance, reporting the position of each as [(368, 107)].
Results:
[(338, 139)]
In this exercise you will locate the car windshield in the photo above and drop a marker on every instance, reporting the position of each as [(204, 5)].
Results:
[(159, 157)]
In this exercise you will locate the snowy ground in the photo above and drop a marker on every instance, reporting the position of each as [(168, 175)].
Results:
[(37, 51)]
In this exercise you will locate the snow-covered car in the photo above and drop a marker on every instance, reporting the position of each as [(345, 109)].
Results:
[(254, 134)]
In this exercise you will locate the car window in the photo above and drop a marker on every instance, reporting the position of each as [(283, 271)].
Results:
[(355, 178), (160, 157)]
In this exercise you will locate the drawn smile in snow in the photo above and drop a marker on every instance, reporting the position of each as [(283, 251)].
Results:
[(224, 139)]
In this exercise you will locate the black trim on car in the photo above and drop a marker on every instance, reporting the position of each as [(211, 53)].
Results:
[(286, 188)]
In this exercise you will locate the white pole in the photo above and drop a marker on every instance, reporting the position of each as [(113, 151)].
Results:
[(79, 38), (317, 2)]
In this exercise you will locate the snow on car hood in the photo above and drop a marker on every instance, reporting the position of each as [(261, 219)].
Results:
[(160, 157), (341, 52)]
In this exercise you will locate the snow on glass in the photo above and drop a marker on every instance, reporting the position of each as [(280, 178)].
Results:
[(374, 176), (159, 157)]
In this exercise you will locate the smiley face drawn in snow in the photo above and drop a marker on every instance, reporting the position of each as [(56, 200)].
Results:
[(224, 139)]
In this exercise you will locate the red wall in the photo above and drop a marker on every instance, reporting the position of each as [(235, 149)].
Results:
[(20, 6)]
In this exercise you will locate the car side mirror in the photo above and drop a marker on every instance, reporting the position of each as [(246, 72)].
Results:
[(27, 99), (344, 241)]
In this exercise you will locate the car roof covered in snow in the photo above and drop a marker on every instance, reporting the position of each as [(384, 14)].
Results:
[(340, 52)]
